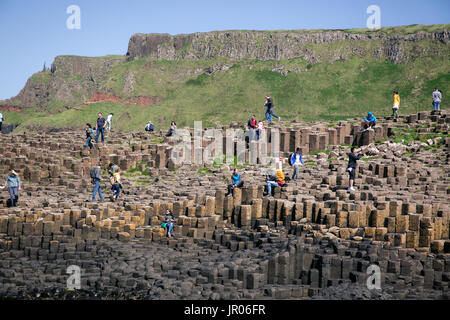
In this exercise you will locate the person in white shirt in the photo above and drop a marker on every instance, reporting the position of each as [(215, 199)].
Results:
[(108, 121), (259, 129)]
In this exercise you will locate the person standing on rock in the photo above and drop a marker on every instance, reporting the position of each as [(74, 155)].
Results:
[(169, 220), (259, 129), (236, 182), (351, 167), (96, 179), (108, 121), (396, 105), (14, 186), (296, 161), (1, 122), (101, 124), (90, 134), (269, 109), (437, 97), (252, 127)]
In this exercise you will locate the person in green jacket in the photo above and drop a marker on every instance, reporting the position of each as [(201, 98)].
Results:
[(14, 186)]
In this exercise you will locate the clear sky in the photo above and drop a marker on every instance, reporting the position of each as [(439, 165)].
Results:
[(34, 32)]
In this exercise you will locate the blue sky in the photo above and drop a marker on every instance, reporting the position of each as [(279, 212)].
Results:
[(34, 32)]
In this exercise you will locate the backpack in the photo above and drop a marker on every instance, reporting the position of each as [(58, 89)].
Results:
[(291, 159), (93, 173), (91, 133)]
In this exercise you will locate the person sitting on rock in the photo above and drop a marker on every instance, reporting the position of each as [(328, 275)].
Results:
[(150, 127), (235, 183), (14, 186), (351, 167), (369, 121), (259, 129), (169, 220), (116, 185), (172, 130), (274, 180), (90, 135)]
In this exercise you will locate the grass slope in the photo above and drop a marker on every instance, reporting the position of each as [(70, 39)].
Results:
[(321, 91)]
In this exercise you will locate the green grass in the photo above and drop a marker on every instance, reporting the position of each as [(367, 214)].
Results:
[(319, 91), (203, 171)]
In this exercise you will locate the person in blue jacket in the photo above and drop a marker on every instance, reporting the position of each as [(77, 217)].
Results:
[(295, 160), (235, 182), (369, 121)]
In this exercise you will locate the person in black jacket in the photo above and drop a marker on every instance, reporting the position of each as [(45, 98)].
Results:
[(351, 167)]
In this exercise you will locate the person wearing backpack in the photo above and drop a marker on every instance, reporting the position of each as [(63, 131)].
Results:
[(90, 134), (96, 179), (295, 160)]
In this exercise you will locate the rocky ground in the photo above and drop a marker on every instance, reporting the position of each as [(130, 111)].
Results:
[(309, 240)]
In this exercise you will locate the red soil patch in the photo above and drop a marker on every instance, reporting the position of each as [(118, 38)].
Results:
[(10, 107), (102, 97), (144, 101)]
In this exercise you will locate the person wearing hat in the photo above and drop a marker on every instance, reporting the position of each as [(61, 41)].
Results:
[(14, 185)]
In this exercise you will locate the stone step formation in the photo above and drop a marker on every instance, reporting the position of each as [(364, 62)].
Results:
[(310, 239)]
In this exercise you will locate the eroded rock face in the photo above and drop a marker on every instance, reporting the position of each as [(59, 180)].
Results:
[(264, 45)]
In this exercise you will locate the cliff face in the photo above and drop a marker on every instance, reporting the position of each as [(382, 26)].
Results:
[(74, 80), (69, 80), (262, 45)]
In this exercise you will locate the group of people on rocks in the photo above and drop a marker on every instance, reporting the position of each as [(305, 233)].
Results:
[(94, 133), (114, 179)]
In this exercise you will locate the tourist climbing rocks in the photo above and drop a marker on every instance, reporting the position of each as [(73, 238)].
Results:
[(14, 186), (396, 105), (112, 168), (236, 182), (1, 122), (169, 220), (96, 180), (369, 121), (251, 123), (109, 121), (150, 127), (101, 123), (269, 109), (351, 167), (437, 97), (90, 134), (116, 185), (295, 160)]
